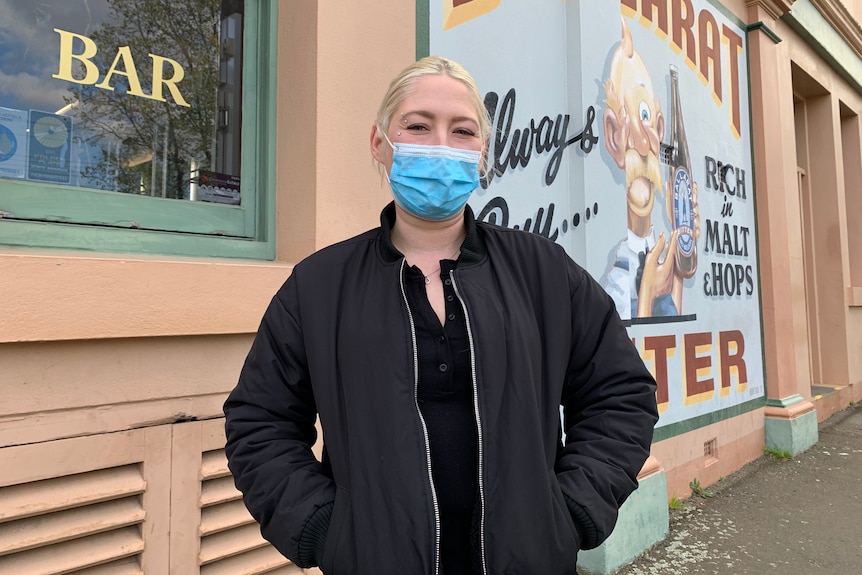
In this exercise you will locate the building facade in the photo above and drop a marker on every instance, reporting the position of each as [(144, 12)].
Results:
[(162, 170)]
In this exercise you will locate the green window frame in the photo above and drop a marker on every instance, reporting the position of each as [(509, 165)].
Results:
[(45, 216)]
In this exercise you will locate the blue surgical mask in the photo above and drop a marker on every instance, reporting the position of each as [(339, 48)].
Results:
[(433, 182)]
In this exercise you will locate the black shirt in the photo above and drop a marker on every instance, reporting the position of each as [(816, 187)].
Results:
[(446, 401)]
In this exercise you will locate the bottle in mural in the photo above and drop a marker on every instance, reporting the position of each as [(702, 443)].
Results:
[(679, 162)]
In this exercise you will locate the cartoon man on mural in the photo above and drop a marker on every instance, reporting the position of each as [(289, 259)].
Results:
[(642, 278)]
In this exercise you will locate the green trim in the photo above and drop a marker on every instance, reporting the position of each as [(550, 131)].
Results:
[(754, 203), (761, 27), (58, 204), (683, 427), (263, 137), (43, 216), (785, 401), (643, 521), (809, 23), (792, 435), (97, 239), (423, 29)]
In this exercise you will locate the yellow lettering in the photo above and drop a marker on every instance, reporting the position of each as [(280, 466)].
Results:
[(67, 40), (697, 366), (124, 55), (709, 54), (734, 52), (159, 80), (699, 38)]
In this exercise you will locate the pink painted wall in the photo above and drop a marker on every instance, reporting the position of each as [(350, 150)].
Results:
[(95, 343)]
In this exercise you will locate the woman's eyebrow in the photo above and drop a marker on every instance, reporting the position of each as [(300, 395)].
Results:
[(430, 116)]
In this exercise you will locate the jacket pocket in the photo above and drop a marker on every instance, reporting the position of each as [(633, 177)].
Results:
[(332, 562), (563, 515)]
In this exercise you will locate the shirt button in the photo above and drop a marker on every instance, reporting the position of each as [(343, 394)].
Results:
[(451, 317), (450, 298), (447, 281), (443, 367), (442, 338)]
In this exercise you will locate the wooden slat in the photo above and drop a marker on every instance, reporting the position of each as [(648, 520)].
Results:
[(223, 517), (185, 496), (214, 465), (29, 499), (62, 526), (36, 462), (288, 570), (257, 562), (219, 491), (227, 543), (74, 555), (212, 434), (128, 566)]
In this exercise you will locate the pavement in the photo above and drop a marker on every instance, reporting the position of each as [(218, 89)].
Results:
[(797, 516)]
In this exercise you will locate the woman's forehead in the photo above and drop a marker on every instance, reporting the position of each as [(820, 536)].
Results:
[(437, 95)]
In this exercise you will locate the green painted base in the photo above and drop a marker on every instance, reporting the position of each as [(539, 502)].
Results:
[(792, 435), (643, 521)]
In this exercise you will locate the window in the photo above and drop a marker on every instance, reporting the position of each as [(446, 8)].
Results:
[(137, 125)]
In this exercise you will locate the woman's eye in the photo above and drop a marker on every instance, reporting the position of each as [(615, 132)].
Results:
[(644, 112), (416, 127), (464, 132)]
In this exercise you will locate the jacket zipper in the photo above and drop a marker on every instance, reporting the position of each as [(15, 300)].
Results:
[(478, 421), (424, 426)]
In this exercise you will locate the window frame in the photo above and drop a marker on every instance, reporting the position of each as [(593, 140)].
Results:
[(46, 216)]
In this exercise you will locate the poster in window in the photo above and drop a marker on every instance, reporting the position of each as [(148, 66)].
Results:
[(218, 188), (13, 143), (50, 145)]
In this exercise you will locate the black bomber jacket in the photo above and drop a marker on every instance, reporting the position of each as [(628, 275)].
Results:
[(337, 341)]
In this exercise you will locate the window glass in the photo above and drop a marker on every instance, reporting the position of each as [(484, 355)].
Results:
[(130, 97)]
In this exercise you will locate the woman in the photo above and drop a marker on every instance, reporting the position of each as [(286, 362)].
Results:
[(437, 351)]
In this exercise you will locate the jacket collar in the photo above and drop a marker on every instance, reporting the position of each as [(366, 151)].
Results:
[(472, 250)]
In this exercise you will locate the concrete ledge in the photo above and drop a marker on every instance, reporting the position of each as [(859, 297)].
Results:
[(643, 522), (792, 435)]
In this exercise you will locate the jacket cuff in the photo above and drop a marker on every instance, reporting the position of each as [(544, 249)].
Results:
[(585, 526), (313, 538)]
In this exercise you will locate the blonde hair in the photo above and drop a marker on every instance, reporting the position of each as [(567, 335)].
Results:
[(401, 85)]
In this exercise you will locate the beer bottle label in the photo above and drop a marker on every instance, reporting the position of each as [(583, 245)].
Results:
[(683, 219)]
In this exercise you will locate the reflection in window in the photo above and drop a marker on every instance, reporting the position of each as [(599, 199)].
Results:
[(130, 96)]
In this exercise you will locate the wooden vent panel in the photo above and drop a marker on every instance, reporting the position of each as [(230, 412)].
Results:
[(124, 567), (265, 560), (230, 540), (72, 556), (228, 515), (44, 530), (87, 505), (37, 498)]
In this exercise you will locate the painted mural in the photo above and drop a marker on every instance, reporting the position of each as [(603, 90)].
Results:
[(622, 132)]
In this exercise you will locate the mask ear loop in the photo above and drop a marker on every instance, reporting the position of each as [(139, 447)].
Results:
[(388, 141)]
